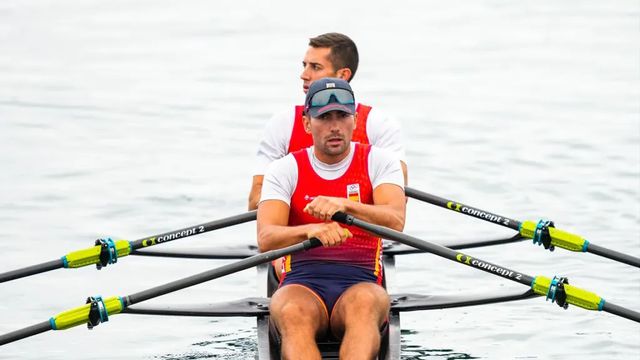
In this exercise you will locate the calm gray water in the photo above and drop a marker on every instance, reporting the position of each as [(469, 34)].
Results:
[(127, 119)]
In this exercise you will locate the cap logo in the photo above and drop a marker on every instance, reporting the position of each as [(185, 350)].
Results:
[(330, 85)]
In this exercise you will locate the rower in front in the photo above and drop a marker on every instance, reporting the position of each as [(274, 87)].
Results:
[(334, 290)]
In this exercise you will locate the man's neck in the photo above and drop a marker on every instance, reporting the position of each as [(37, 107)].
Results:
[(331, 159)]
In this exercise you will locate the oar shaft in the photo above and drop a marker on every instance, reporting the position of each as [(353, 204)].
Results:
[(441, 251), (92, 255), (218, 272), (31, 270), (193, 230), (567, 294), (25, 333), (462, 208), (621, 311), (115, 305), (529, 229), (613, 255)]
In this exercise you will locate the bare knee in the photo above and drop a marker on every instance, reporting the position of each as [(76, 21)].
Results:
[(295, 313), (364, 298), (292, 312), (362, 305)]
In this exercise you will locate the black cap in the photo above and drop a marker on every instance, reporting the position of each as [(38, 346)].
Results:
[(328, 94)]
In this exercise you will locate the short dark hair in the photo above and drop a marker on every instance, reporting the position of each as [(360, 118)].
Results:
[(344, 53)]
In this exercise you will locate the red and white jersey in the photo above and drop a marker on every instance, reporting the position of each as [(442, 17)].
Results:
[(355, 177), (284, 133)]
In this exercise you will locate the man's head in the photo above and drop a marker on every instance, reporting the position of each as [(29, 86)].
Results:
[(330, 117), (329, 55)]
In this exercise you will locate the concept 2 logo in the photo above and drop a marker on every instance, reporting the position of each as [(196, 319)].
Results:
[(172, 236), (454, 206), (468, 260), (477, 213)]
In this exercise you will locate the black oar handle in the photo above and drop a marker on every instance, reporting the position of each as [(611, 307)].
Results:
[(462, 208)]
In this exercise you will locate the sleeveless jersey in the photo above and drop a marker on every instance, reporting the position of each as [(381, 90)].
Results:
[(300, 139), (363, 249)]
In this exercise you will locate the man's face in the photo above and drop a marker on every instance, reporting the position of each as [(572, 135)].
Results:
[(316, 65), (331, 134)]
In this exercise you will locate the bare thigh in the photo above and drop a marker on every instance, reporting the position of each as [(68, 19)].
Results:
[(297, 308), (363, 302)]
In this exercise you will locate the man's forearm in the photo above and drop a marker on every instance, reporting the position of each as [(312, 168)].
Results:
[(384, 215), (273, 237)]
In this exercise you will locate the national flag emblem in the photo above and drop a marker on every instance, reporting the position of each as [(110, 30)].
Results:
[(353, 192)]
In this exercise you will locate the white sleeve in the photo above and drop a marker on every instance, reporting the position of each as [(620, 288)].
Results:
[(384, 168), (280, 180), (275, 140), (384, 132)]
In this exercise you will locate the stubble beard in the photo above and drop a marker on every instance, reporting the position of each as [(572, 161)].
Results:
[(335, 151)]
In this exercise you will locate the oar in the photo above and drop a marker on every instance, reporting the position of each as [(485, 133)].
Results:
[(243, 251), (97, 310), (557, 289), (107, 251), (542, 232)]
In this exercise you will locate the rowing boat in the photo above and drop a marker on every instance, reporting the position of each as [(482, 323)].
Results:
[(107, 251), (258, 307)]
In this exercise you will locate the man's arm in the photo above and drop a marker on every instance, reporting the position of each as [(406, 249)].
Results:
[(273, 232), (256, 191), (273, 145), (388, 207), (405, 173)]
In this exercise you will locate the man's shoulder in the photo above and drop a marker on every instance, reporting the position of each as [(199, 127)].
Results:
[(385, 167), (381, 153), (282, 164)]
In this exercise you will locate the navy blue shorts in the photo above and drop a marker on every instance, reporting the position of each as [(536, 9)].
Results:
[(328, 280)]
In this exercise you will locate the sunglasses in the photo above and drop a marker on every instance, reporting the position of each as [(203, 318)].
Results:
[(323, 97)]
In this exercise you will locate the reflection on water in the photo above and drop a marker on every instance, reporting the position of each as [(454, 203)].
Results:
[(412, 352), (242, 345), (239, 344)]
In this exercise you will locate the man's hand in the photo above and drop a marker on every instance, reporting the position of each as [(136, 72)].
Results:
[(323, 207), (330, 233)]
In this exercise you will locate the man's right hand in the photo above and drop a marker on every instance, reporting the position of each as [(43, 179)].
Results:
[(329, 233)]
